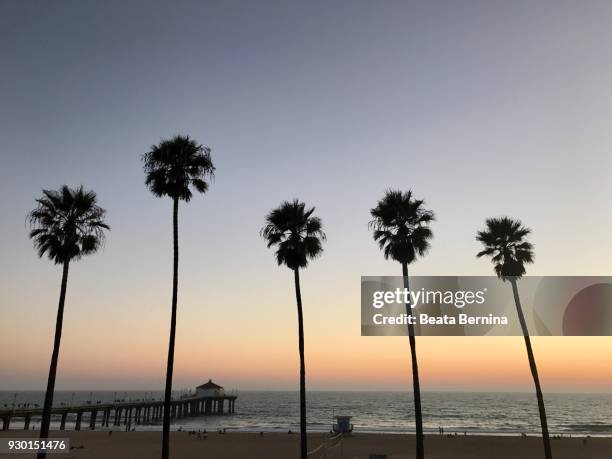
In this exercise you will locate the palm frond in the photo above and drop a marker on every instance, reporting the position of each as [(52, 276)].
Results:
[(67, 224), (296, 233), (400, 225), (504, 241), (174, 166)]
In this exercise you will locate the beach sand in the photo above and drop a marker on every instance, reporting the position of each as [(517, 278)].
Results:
[(146, 445)]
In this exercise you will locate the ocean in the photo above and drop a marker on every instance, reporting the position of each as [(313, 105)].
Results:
[(375, 412)]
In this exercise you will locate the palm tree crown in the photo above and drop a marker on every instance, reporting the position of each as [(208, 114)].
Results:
[(504, 240), (296, 232), (174, 165), (401, 226), (67, 224)]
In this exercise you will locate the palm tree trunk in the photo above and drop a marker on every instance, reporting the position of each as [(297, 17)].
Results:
[(46, 417), (418, 414), (170, 366), (303, 438), (534, 371)]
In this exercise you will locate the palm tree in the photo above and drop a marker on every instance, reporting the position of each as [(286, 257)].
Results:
[(298, 236), (401, 228), (66, 225), (504, 241), (172, 168)]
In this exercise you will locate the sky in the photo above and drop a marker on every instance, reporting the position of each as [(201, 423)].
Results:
[(483, 108)]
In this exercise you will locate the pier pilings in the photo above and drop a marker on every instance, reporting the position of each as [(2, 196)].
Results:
[(123, 413)]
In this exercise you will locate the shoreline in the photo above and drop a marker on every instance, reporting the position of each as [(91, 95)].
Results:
[(432, 433), (380, 413), (294, 429)]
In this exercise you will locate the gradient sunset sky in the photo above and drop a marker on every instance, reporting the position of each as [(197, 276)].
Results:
[(483, 108)]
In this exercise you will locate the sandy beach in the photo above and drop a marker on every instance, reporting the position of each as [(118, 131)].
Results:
[(146, 445)]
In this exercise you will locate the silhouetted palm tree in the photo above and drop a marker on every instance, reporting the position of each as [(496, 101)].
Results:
[(504, 241), (172, 168), (401, 228), (66, 225), (298, 236)]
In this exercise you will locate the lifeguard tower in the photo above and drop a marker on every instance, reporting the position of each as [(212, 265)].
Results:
[(343, 425)]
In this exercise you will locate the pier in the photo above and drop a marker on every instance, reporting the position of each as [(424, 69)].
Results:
[(126, 413)]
